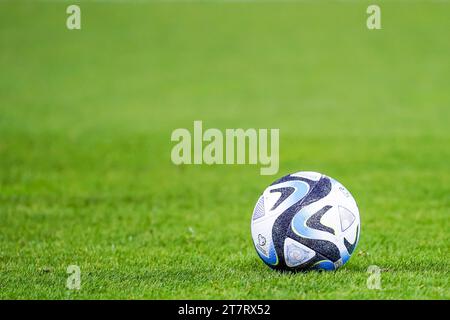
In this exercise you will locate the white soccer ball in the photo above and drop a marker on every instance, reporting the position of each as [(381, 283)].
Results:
[(304, 221)]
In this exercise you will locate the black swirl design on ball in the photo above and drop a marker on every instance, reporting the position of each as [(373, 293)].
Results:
[(314, 221), (293, 178), (285, 193), (282, 225)]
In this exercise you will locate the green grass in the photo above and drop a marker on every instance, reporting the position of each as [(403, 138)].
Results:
[(85, 124)]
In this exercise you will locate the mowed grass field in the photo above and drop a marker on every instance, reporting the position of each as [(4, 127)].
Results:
[(85, 123)]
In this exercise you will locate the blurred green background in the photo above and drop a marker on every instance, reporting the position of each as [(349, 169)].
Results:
[(85, 123)]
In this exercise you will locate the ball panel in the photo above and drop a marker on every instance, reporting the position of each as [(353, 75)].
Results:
[(259, 210), (296, 254)]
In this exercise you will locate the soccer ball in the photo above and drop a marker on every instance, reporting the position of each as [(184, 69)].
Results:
[(305, 221)]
